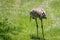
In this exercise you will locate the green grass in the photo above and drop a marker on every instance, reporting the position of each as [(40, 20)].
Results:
[(17, 13)]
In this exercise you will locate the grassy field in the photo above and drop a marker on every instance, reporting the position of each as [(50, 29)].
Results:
[(15, 22)]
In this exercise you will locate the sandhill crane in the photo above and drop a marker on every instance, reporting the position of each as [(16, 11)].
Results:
[(38, 13)]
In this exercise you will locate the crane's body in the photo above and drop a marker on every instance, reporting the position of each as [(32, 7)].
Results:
[(37, 13)]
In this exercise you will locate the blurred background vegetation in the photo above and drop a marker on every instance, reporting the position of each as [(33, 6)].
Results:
[(15, 21)]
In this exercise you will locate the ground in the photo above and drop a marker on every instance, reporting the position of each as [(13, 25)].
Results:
[(17, 12)]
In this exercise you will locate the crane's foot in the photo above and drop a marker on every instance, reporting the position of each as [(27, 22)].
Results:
[(33, 37)]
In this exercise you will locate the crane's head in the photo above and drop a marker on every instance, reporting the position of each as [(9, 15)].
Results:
[(42, 16)]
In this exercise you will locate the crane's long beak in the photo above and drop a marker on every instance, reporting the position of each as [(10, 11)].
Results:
[(45, 17)]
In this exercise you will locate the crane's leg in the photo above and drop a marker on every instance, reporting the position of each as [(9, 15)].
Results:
[(42, 29), (36, 27)]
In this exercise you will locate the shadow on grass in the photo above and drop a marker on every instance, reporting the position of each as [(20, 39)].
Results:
[(34, 37)]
